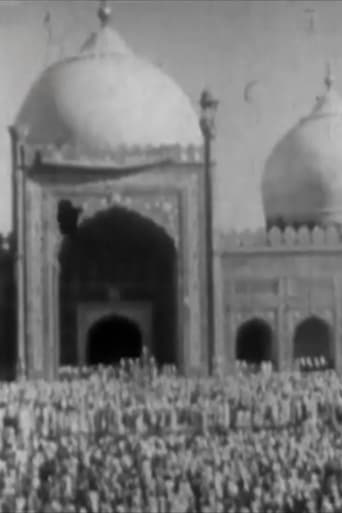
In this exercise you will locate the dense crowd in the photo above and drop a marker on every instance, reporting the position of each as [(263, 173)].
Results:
[(136, 439)]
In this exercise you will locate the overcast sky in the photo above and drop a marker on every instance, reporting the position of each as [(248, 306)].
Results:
[(280, 46)]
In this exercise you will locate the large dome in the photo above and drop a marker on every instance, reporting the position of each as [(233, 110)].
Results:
[(302, 181), (105, 98)]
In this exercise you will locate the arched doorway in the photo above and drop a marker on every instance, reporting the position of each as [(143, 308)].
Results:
[(313, 340), (119, 255), (113, 339), (254, 342)]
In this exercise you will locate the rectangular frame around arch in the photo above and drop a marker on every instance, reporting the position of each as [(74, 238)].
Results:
[(184, 182), (90, 312)]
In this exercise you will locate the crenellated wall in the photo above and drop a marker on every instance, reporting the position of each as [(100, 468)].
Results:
[(290, 239)]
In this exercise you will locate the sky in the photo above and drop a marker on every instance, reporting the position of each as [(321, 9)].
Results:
[(281, 47)]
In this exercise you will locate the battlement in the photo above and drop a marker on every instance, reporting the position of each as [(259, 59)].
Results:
[(122, 157), (275, 239)]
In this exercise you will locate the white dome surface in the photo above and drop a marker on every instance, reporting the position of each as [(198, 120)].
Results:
[(302, 181), (106, 98)]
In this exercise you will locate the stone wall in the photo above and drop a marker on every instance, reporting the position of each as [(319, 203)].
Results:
[(282, 278)]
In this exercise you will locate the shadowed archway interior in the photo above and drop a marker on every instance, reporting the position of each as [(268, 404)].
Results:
[(123, 254), (112, 339), (313, 338), (254, 342)]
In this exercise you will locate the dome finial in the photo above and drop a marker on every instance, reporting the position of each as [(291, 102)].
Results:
[(329, 77), (104, 12)]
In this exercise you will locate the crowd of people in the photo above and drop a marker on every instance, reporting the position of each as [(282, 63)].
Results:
[(136, 439)]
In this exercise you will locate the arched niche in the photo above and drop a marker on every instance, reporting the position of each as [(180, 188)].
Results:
[(254, 341), (112, 339), (313, 338)]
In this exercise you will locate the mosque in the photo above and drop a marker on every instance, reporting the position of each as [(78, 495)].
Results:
[(113, 246)]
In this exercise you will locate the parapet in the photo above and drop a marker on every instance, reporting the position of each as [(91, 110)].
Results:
[(122, 157), (275, 239)]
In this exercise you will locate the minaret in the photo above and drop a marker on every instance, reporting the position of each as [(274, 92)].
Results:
[(104, 13), (329, 77)]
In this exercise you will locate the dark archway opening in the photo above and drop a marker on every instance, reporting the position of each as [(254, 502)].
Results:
[(312, 343), (254, 342), (119, 250), (113, 339)]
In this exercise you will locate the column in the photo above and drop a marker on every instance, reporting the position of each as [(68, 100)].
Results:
[(35, 279), (230, 326), (337, 323), (281, 353), (219, 318), (51, 357), (20, 271), (52, 341), (56, 271)]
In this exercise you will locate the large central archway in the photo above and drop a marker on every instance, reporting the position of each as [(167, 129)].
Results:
[(118, 253), (313, 339), (254, 342), (112, 339)]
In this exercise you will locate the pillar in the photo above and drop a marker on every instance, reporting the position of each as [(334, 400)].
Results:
[(281, 353), (20, 269), (337, 324), (51, 307), (219, 286)]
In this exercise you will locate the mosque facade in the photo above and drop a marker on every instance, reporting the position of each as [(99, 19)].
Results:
[(113, 246)]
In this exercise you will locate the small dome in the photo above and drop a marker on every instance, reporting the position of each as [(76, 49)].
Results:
[(302, 181), (105, 98)]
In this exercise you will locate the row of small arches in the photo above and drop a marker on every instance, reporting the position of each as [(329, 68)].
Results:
[(312, 341), (114, 338)]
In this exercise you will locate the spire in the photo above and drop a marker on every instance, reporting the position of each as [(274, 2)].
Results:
[(329, 77), (330, 102), (104, 13), (104, 41)]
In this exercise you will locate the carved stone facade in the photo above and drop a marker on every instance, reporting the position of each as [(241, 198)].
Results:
[(283, 278), (169, 193)]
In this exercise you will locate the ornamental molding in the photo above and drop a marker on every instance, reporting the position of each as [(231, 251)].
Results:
[(155, 196), (162, 210), (120, 158), (276, 239)]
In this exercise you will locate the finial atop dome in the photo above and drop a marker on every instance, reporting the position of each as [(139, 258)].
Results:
[(329, 77), (104, 12)]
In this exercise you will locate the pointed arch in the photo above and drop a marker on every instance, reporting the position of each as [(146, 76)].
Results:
[(313, 338), (111, 339)]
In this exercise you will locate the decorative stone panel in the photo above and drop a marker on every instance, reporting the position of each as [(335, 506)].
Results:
[(36, 229), (162, 209)]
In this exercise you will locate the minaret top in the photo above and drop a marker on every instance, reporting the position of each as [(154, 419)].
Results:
[(104, 13), (329, 77)]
